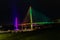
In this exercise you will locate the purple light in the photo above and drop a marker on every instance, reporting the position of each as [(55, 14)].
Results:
[(16, 23)]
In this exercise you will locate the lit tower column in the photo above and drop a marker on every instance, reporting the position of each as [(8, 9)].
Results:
[(31, 17), (14, 12)]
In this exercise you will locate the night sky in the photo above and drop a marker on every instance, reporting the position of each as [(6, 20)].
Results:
[(50, 8)]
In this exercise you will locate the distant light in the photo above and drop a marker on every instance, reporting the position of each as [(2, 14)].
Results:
[(0, 26)]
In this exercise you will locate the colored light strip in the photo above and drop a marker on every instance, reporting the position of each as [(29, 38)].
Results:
[(16, 23), (41, 23), (44, 22)]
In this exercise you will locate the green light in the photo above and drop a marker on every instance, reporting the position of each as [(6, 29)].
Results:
[(43, 23)]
